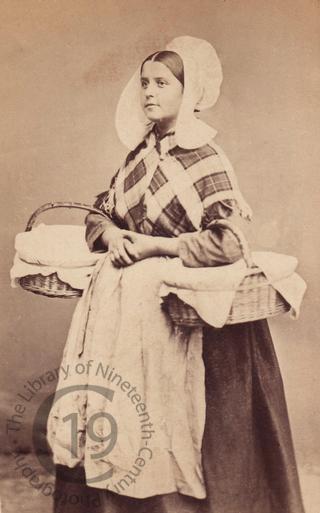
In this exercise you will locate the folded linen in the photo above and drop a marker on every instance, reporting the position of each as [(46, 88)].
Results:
[(55, 245)]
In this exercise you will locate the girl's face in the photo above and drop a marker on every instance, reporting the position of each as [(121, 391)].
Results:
[(161, 93)]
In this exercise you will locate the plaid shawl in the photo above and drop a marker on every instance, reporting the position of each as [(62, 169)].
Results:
[(166, 190)]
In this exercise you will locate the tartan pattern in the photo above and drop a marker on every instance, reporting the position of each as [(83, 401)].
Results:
[(161, 188), (132, 155), (189, 158), (136, 215), (210, 184), (218, 210), (173, 219), (135, 176), (157, 181)]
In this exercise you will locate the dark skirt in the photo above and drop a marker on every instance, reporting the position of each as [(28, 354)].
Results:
[(248, 457)]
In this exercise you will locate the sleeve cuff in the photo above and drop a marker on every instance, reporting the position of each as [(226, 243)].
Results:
[(95, 226)]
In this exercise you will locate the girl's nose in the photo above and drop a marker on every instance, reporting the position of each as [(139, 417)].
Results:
[(149, 90)]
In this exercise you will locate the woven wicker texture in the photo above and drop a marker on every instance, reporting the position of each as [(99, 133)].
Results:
[(254, 299), (51, 285)]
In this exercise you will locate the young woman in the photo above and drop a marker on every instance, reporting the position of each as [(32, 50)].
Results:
[(216, 437)]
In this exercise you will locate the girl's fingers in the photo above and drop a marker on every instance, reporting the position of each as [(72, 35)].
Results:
[(125, 259), (120, 257), (131, 250), (112, 258), (115, 258)]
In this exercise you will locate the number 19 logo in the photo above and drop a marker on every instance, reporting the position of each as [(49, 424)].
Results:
[(39, 430)]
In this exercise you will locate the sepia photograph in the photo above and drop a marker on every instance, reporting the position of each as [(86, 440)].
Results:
[(160, 311)]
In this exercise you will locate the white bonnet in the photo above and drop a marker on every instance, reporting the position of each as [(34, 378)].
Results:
[(202, 80)]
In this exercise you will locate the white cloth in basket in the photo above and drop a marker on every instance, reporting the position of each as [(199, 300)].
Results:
[(49, 249), (210, 290), (77, 277), (55, 245)]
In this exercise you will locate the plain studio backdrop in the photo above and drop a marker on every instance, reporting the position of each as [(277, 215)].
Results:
[(63, 67)]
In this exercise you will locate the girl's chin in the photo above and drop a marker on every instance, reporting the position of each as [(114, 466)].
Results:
[(155, 119)]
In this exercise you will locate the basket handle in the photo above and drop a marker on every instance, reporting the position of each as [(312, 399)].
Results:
[(61, 204), (224, 223)]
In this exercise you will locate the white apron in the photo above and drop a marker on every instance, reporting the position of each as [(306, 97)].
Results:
[(140, 434)]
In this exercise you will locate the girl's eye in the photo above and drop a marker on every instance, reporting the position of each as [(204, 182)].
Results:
[(161, 83), (144, 84)]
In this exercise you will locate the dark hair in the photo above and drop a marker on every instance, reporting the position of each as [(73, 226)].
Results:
[(170, 59)]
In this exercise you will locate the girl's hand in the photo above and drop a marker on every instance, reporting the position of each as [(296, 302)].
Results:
[(126, 247), (121, 250), (142, 246)]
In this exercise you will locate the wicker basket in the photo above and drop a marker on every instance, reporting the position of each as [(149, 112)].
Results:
[(254, 299), (51, 285)]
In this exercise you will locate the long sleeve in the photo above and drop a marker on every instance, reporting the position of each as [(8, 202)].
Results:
[(212, 246), (96, 224)]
